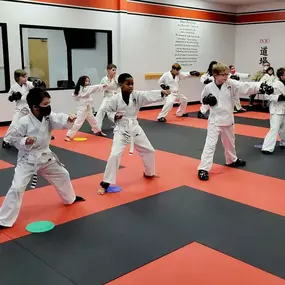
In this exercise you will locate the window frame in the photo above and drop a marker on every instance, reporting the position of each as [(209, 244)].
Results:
[(69, 51), (5, 58)]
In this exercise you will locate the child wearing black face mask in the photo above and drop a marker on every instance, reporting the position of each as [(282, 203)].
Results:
[(31, 136)]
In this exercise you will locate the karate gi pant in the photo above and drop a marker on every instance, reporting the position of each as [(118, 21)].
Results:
[(18, 114), (170, 100), (52, 171), (83, 113), (228, 141), (141, 144), (277, 125), (102, 112)]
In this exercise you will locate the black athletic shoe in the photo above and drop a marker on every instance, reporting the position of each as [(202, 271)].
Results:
[(161, 120), (203, 175), (5, 145), (79, 199), (52, 138), (3, 227), (237, 163)]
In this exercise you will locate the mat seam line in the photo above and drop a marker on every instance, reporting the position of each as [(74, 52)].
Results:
[(33, 254)]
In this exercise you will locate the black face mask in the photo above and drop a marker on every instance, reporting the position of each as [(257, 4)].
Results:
[(45, 111)]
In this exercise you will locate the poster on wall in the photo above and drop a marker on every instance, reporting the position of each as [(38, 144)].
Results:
[(187, 43), (263, 55)]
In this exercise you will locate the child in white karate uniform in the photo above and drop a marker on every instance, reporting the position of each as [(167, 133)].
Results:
[(276, 98), (269, 76), (171, 79), (123, 109), (113, 88), (83, 94), (237, 76), (31, 136), (18, 93), (206, 78), (221, 95)]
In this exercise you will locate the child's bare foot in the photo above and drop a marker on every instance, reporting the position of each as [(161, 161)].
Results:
[(101, 191), (151, 176), (67, 139)]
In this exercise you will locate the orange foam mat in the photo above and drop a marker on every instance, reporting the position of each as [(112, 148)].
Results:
[(224, 182), (4, 164), (199, 265), (246, 130), (3, 131), (254, 115), (44, 204), (3, 238)]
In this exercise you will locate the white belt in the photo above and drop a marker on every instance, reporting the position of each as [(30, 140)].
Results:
[(129, 134)]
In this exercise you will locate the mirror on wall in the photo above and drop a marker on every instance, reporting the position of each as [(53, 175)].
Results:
[(59, 56)]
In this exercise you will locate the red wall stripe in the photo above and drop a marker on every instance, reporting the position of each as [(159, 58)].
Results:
[(171, 11), (261, 17)]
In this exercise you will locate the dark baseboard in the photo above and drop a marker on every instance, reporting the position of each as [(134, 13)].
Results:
[(3, 124)]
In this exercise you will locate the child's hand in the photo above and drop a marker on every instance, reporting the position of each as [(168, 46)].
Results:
[(165, 92), (30, 140), (118, 116), (71, 118)]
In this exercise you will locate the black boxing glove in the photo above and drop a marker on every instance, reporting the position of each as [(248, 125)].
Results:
[(10, 98), (16, 96), (210, 100), (207, 81), (164, 87), (281, 98), (269, 90), (262, 88), (194, 73), (235, 77)]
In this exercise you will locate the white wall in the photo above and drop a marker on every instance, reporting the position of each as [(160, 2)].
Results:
[(271, 5), (29, 14), (141, 44), (153, 49), (2, 75), (250, 36)]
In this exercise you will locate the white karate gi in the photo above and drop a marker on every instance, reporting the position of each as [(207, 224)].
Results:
[(268, 79), (205, 108), (241, 76), (22, 107), (175, 95), (84, 109), (113, 88), (35, 158), (277, 117), (221, 119), (128, 131)]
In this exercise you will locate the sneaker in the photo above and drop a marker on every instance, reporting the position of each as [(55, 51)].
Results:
[(203, 175)]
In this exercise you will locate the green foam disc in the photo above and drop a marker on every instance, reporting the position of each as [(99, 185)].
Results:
[(40, 227)]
